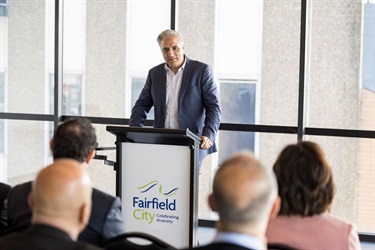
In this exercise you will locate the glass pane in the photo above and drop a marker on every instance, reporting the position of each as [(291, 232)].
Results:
[(353, 164), (234, 141), (106, 44), (280, 62), (2, 136), (103, 176), (71, 94), (28, 144), (266, 147), (237, 102), (368, 47), (2, 128), (26, 32), (334, 74), (137, 86), (3, 8), (243, 41), (74, 56)]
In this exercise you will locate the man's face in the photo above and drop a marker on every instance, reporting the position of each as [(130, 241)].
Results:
[(173, 52)]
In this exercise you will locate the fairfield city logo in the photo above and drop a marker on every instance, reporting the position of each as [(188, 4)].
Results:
[(144, 205)]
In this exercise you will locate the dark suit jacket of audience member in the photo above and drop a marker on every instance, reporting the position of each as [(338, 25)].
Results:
[(42, 237), (222, 246), (105, 221), (4, 192)]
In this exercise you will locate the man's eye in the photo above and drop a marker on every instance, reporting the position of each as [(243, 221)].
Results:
[(175, 48), (165, 49)]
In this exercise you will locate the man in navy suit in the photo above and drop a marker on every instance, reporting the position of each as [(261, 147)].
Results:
[(245, 197), (74, 139), (183, 94), (61, 203)]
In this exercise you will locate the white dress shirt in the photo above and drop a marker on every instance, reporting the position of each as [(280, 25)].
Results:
[(172, 93)]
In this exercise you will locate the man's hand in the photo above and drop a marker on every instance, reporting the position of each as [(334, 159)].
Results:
[(206, 143)]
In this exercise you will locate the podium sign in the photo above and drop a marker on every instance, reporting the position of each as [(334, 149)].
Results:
[(155, 195), (157, 182)]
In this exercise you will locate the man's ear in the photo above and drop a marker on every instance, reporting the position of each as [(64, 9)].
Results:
[(212, 203), (84, 214), (90, 156), (275, 208), (30, 201), (51, 144)]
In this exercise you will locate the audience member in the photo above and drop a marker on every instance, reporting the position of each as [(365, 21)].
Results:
[(74, 139), (307, 189), (4, 192), (245, 197), (60, 202)]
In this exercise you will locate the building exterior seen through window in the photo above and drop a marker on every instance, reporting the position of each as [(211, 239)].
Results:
[(72, 94), (237, 100), (3, 7), (368, 47), (2, 102), (137, 86)]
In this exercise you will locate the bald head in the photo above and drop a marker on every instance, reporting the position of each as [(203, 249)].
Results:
[(243, 191), (61, 195)]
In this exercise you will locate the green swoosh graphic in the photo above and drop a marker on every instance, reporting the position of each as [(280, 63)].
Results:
[(150, 183)]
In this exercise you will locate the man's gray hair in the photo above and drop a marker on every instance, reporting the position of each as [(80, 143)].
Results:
[(168, 33)]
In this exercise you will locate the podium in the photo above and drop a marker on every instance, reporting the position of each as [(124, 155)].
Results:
[(157, 181)]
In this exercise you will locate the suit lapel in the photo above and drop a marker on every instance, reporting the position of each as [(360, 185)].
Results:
[(163, 87), (185, 81)]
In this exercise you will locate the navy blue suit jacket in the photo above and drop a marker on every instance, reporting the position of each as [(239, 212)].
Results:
[(198, 102), (105, 222), (42, 237), (4, 192)]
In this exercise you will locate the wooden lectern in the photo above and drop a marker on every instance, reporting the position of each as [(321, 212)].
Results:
[(157, 181)]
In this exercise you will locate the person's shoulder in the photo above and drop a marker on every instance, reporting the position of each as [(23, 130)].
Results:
[(4, 186), (157, 67), (23, 185), (4, 191), (8, 237), (11, 238), (98, 194), (336, 222), (102, 200), (195, 63), (21, 188)]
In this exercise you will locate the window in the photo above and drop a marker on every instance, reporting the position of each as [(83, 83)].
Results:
[(137, 86), (368, 47), (237, 100), (142, 50), (72, 94), (2, 103), (3, 8)]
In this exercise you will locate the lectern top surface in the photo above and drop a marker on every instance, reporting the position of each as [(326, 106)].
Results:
[(154, 135)]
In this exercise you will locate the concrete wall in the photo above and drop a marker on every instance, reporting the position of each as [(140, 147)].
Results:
[(26, 87)]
